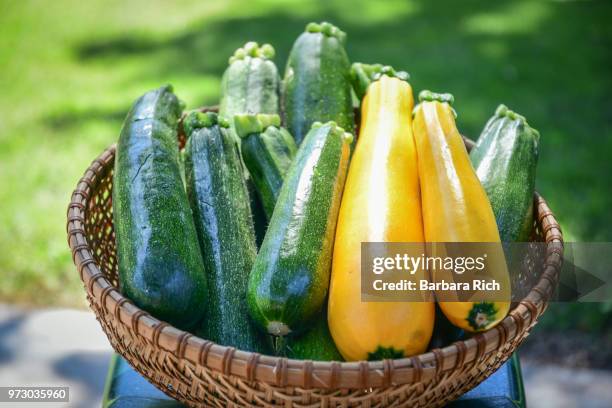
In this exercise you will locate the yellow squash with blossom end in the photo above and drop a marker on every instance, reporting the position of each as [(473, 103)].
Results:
[(456, 209), (381, 203)]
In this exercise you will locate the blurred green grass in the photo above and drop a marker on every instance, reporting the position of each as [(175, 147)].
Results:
[(69, 72)]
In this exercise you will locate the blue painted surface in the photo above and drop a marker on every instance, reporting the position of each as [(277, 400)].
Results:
[(503, 389), (125, 388)]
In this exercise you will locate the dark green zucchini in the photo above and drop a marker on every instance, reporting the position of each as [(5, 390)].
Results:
[(289, 281), (315, 344), (220, 203), (251, 82), (317, 84), (505, 158), (160, 265), (267, 151)]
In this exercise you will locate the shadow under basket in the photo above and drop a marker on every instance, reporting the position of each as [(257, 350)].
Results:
[(198, 372)]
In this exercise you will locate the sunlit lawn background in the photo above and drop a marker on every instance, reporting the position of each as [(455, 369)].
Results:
[(69, 70)]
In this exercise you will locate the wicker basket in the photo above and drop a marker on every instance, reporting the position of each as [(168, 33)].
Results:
[(198, 372)]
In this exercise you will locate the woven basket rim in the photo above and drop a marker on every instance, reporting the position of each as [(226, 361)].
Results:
[(280, 371)]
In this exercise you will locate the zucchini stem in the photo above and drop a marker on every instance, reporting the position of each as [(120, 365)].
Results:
[(429, 96), (362, 75), (503, 111), (336, 130), (197, 120), (246, 124), (326, 29), (252, 50)]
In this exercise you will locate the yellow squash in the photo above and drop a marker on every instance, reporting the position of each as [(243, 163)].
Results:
[(381, 203), (457, 209)]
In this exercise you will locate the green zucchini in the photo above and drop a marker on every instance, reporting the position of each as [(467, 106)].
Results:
[(160, 265), (505, 158), (289, 281), (315, 344), (251, 83), (219, 200), (316, 86), (267, 151)]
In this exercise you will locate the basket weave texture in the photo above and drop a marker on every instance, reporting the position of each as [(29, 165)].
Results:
[(198, 372)]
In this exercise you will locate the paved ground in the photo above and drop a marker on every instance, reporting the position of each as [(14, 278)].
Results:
[(54, 347), (551, 386), (67, 348)]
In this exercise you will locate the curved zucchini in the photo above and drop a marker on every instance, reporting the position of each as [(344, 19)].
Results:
[(289, 281), (160, 265), (505, 158), (317, 85), (267, 151), (219, 200)]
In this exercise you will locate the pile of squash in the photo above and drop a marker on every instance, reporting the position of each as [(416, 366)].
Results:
[(251, 235)]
